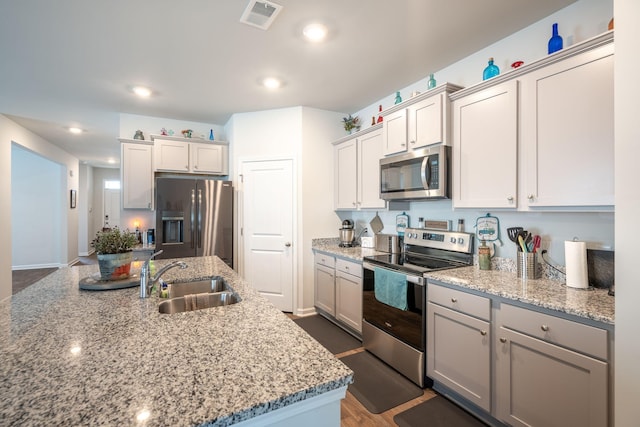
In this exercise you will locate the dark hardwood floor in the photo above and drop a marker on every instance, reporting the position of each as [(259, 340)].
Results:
[(20, 279)]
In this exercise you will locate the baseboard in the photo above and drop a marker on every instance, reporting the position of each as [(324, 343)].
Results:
[(303, 312), (73, 262), (91, 252), (36, 266)]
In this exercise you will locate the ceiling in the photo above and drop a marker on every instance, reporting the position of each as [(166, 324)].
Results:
[(73, 62)]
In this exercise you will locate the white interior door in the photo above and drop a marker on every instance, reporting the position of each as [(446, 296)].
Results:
[(112, 207), (268, 229)]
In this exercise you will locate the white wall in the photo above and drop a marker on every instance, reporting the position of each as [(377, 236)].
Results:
[(85, 210), (35, 182), (627, 93), (12, 132)]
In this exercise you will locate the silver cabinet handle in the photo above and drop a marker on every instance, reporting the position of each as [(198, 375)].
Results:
[(288, 244), (195, 166), (503, 340), (483, 333), (412, 142), (454, 300), (545, 328), (510, 199)]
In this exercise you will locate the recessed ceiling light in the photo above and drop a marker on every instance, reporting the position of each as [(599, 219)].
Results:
[(315, 32), (271, 83), (75, 130), (142, 91)]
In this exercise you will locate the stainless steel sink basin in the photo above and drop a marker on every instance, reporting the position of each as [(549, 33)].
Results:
[(212, 285), (197, 302)]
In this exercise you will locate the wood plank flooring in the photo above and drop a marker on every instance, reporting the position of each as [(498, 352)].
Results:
[(354, 414)]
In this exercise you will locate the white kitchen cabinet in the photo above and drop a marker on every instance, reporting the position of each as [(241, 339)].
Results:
[(568, 131), (357, 171), (420, 121), (550, 371), (324, 279), (459, 343), (349, 294), (174, 154), (485, 148), (136, 175)]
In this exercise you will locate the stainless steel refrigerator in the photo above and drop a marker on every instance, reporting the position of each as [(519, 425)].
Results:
[(194, 217)]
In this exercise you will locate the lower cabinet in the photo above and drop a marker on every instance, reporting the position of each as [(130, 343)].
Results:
[(459, 343), (325, 283), (550, 371), (349, 294), (338, 291), (516, 365)]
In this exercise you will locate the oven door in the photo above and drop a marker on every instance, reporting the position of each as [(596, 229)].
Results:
[(408, 325)]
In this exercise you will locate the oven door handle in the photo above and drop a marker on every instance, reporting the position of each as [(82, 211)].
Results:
[(417, 280)]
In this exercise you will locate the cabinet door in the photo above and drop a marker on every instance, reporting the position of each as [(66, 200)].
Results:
[(568, 131), (458, 353), (370, 153), (136, 168), (172, 156), (349, 300), (485, 141), (208, 158), (325, 293), (541, 384), (425, 122), (346, 175), (395, 132)]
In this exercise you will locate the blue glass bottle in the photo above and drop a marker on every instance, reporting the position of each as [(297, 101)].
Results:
[(432, 82), (211, 135), (398, 98), (555, 42), (491, 70)]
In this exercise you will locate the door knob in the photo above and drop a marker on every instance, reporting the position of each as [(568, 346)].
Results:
[(288, 244)]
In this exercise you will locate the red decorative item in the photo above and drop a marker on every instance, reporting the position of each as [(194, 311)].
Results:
[(516, 64), (380, 114)]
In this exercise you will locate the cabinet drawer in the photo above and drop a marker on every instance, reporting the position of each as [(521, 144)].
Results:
[(566, 333), (326, 260), (349, 267), (463, 302)]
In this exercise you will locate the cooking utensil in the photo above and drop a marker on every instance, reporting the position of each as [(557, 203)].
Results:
[(536, 243), (523, 247), (512, 232), (376, 224)]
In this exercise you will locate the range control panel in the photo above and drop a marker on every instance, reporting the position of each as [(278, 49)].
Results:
[(439, 239)]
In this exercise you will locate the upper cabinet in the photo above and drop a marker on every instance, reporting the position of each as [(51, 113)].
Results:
[(174, 154), (419, 121), (136, 175), (539, 137), (357, 170)]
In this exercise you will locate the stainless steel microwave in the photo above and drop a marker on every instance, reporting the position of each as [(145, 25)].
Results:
[(419, 174)]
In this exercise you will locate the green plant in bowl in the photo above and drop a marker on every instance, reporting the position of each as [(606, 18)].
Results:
[(114, 250)]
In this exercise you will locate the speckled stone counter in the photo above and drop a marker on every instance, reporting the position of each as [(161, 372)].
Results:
[(75, 357), (331, 246), (594, 304)]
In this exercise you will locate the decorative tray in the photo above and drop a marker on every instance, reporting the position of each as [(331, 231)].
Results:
[(94, 283)]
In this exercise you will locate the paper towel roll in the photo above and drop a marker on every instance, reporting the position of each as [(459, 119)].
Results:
[(575, 256)]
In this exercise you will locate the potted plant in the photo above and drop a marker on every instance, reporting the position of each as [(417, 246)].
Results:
[(351, 123), (114, 249)]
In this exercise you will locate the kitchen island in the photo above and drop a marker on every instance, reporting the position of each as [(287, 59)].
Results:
[(76, 357)]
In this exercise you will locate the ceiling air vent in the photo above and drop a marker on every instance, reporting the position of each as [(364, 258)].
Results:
[(260, 14)]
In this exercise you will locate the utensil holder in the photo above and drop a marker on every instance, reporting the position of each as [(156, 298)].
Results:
[(527, 265)]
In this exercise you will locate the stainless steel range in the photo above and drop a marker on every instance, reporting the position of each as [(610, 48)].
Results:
[(395, 300)]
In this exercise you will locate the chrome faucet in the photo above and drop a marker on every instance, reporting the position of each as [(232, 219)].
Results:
[(147, 282)]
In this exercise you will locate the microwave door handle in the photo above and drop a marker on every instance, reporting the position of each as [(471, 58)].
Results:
[(425, 172)]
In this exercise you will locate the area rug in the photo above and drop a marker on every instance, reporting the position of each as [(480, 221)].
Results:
[(437, 412), (376, 385), (329, 335)]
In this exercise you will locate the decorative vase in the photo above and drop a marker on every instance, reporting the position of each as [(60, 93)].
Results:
[(380, 114), (555, 42), (115, 266), (398, 98), (211, 135), (490, 71), (432, 82)]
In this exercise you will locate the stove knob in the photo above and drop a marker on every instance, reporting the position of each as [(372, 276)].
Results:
[(453, 240), (461, 240)]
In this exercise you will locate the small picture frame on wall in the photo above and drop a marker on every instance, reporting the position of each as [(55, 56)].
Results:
[(73, 199)]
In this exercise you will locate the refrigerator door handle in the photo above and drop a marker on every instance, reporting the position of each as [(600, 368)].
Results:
[(193, 214), (199, 218)]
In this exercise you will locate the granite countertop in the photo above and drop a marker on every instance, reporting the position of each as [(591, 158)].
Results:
[(553, 294), (75, 357)]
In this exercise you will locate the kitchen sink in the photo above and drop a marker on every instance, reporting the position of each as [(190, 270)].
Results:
[(198, 302), (212, 285)]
